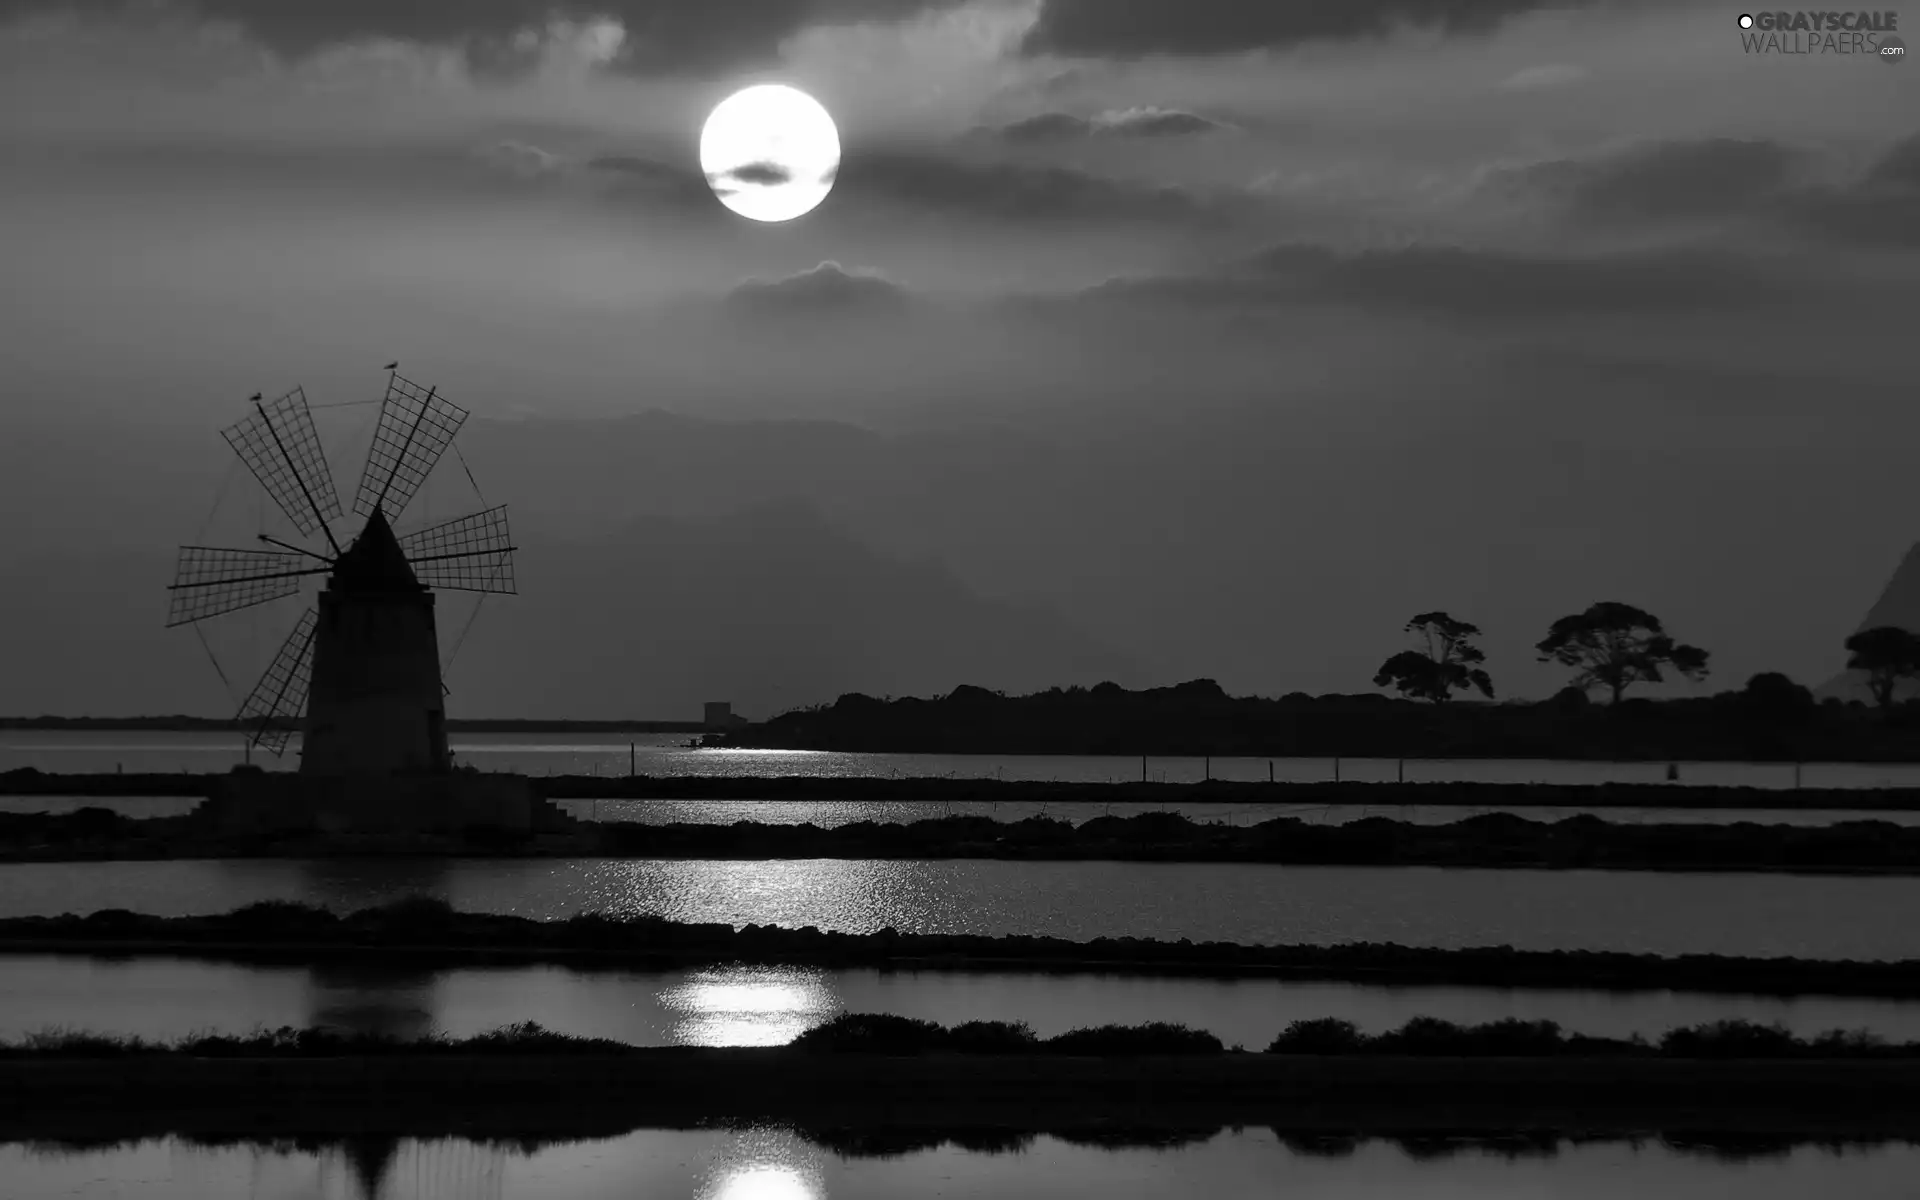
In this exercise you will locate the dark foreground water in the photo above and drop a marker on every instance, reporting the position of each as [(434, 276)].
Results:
[(1813, 916), (768, 1005), (773, 1164)]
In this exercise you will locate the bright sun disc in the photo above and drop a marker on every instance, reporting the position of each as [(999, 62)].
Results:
[(770, 152)]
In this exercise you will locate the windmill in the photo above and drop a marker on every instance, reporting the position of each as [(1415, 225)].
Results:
[(363, 664)]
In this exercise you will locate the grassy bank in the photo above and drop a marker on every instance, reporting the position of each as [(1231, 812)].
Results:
[(423, 930), (1488, 840)]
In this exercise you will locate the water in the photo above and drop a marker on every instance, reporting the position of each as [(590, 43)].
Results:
[(667, 755), (830, 813), (740, 1005), (1651, 912), (775, 1164)]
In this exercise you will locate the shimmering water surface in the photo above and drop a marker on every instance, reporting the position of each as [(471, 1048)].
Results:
[(614, 754), (770, 1005), (1653, 912), (774, 1164)]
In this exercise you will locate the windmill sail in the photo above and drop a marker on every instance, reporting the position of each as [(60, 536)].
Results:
[(281, 447), (277, 701), (211, 580), (473, 553), (416, 427)]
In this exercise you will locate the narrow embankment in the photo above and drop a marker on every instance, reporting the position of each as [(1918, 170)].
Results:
[(1489, 840), (530, 1082), (428, 931), (30, 782)]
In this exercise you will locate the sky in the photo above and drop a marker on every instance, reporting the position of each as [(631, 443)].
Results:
[(1160, 340)]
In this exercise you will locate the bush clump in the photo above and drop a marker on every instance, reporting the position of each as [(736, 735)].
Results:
[(1155, 1037)]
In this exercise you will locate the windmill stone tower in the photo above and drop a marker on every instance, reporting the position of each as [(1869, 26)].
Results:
[(376, 703), (364, 662)]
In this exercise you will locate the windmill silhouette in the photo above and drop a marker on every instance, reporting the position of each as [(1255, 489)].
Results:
[(363, 664)]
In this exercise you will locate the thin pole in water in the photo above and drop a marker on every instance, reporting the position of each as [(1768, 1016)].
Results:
[(1336, 768), (1796, 777), (633, 760), (1400, 774), (1269, 770), (1143, 768), (1207, 769)]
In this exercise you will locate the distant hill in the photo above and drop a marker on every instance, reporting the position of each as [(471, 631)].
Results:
[(770, 607)]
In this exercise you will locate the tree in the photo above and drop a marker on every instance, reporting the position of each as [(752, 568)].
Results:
[(1444, 664), (1888, 654), (1773, 698), (1616, 645)]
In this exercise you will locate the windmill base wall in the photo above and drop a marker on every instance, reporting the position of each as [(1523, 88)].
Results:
[(377, 805)]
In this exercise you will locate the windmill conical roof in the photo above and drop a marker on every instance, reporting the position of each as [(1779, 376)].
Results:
[(1898, 606), (375, 562)]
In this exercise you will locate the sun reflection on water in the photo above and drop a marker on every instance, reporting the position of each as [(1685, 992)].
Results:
[(761, 1181), (749, 1006)]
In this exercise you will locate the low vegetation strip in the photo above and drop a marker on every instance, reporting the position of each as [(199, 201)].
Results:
[(425, 929), (890, 1034), (1489, 840), (864, 1070)]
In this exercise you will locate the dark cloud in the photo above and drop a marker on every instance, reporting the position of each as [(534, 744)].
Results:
[(1714, 177), (650, 180), (1133, 122), (826, 290), (1138, 28), (763, 173), (1466, 282), (1880, 209), (1015, 191), (661, 35)]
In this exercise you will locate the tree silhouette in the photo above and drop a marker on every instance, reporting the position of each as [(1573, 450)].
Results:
[(1888, 654), (1446, 664), (1616, 645)]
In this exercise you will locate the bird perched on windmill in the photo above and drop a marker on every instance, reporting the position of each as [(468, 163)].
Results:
[(360, 671)]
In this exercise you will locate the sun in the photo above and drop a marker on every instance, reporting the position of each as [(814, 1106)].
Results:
[(770, 152)]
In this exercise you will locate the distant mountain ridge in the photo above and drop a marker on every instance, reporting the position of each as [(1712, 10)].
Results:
[(769, 608)]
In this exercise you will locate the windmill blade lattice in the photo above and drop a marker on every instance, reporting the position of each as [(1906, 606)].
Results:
[(278, 700), (416, 427), (211, 580), (473, 553), (281, 447)]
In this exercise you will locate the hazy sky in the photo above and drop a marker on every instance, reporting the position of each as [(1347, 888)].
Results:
[(1230, 334)]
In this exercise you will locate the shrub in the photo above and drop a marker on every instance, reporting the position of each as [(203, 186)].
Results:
[(993, 1037), (1323, 1035), (1157, 1037), (873, 1033), (1731, 1039)]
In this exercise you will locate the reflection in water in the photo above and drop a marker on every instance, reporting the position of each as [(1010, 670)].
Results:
[(777, 1164), (760, 1183), (378, 998), (764, 1164), (749, 1006)]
